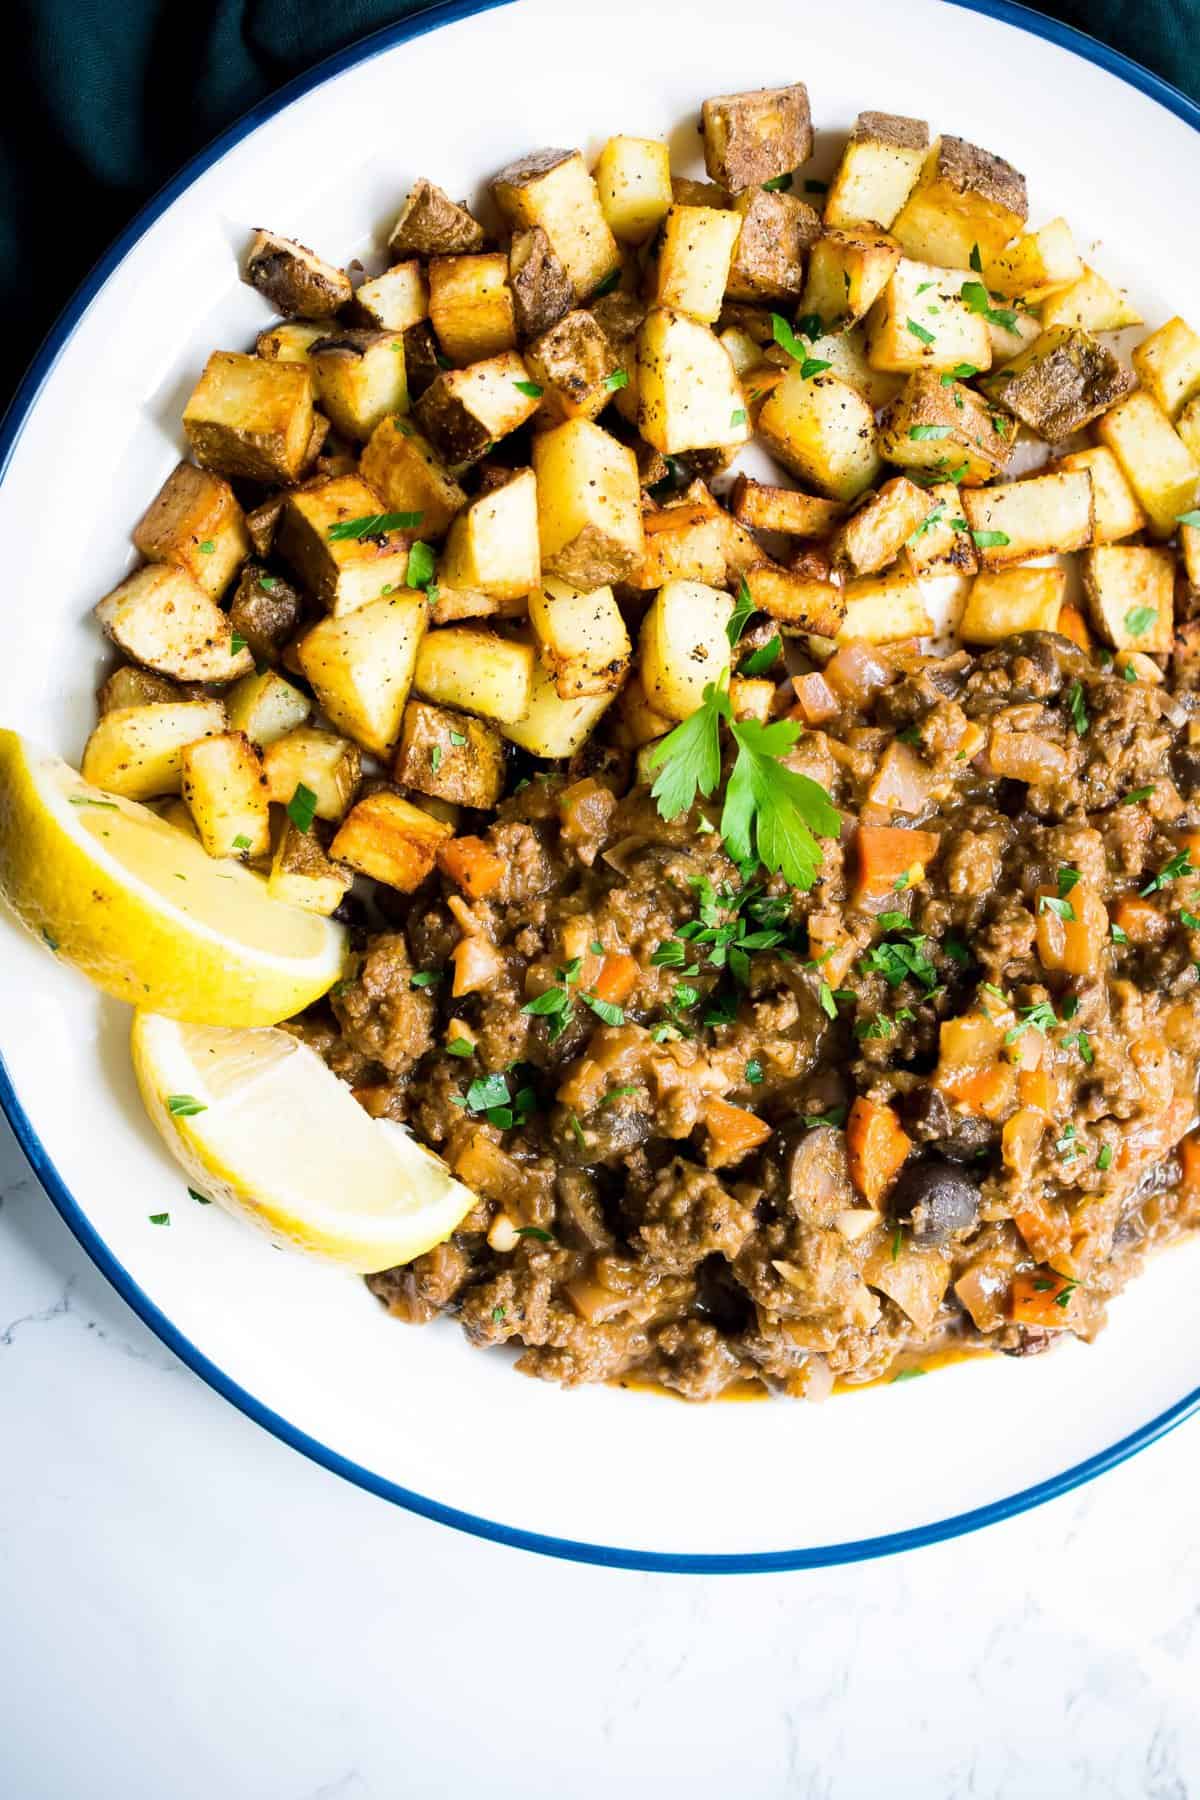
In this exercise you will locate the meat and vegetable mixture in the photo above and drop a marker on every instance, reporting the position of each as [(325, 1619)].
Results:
[(799, 1002)]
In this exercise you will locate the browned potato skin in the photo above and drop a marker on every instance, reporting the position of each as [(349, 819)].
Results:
[(431, 224), (752, 137), (131, 686), (798, 601), (295, 280), (265, 617), (302, 853), (405, 470), (768, 259), (541, 288), (263, 522), (973, 436), (1062, 382), (193, 507), (276, 446), (766, 508), (381, 837), (467, 774), (968, 169), (422, 359), (572, 361), (453, 431), (890, 128)]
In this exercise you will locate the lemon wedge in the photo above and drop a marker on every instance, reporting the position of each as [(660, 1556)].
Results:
[(139, 908), (262, 1126)]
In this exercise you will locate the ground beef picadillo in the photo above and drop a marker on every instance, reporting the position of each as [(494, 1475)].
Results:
[(822, 1134)]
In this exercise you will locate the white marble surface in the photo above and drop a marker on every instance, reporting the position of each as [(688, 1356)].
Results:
[(191, 1610)]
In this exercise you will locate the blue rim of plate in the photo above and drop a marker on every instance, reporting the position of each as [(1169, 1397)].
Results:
[(662, 1562)]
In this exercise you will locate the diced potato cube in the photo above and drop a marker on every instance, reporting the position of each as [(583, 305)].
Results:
[(822, 431), (943, 428), (683, 543), (581, 636), (466, 411), (1034, 517), (431, 224), (1168, 364), (475, 671), (266, 707), (768, 258), (302, 874), (1188, 427), (1092, 303), (745, 353), (551, 726), (684, 646), (493, 545), (878, 171), (1130, 592), (1189, 544), (1154, 459), (689, 396), (921, 321), (453, 604), (407, 474), (327, 765), (1010, 331), (1116, 513), (390, 840), (552, 188), (576, 366), (160, 617), (874, 535), (636, 721), (754, 136), (1005, 601), (396, 299), (883, 609), (1063, 381), (846, 354), (344, 572), (633, 180), (471, 306), (801, 602), (542, 290), (965, 197), (251, 418), (942, 543), (1040, 263), (195, 522), (292, 341), (360, 667), (450, 756), (137, 751), (295, 281), (847, 272), (360, 379), (589, 504), (693, 260), (225, 791), (131, 686), (751, 698), (768, 508)]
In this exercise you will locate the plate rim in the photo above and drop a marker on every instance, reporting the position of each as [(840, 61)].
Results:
[(419, 24)]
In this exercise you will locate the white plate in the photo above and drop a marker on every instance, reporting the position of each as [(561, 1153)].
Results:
[(415, 1414)]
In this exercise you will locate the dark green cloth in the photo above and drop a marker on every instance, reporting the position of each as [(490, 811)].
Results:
[(105, 99)]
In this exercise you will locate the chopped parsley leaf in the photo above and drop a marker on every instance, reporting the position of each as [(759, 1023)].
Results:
[(1139, 619), (373, 525), (302, 808), (530, 389), (1077, 707), (182, 1106), (754, 1071), (918, 331)]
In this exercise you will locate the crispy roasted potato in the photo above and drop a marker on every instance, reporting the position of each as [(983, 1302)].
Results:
[(581, 638), (195, 522), (430, 224), (394, 300), (1022, 519), (409, 476), (493, 544), (164, 620), (450, 756), (360, 667), (292, 341), (475, 671), (1090, 303), (1153, 459), (1039, 264), (551, 726), (683, 543), (1063, 381), (636, 722), (878, 171), (689, 396), (251, 418), (466, 411), (752, 137), (943, 428), (942, 542), (589, 504), (921, 321), (883, 609), (965, 198), (876, 532), (799, 601), (552, 188), (225, 791), (360, 379), (1168, 365), (1115, 510), (344, 572), (847, 272), (777, 230), (266, 707), (266, 612), (302, 874), (1130, 592), (296, 282), (131, 686), (542, 290), (327, 765), (390, 840), (620, 317), (823, 431), (694, 257), (846, 353), (262, 520), (471, 306), (768, 508), (1005, 601), (683, 647), (575, 365), (423, 361), (137, 751), (633, 180)]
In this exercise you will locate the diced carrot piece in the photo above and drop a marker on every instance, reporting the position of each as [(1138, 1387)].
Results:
[(1071, 945), (986, 1091), (1189, 1158), (1140, 920), (619, 973), (1035, 1088), (1042, 1298), (888, 853), (732, 1133), (1020, 1139), (473, 864), (1045, 1227), (877, 1146), (1073, 625)]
